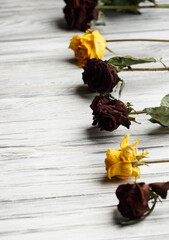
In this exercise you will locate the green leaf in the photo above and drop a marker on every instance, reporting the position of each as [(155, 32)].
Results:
[(165, 101), (121, 62), (159, 115)]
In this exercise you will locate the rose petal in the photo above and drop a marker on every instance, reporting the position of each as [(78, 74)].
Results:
[(160, 188)]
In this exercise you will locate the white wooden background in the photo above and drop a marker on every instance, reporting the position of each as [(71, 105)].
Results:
[(53, 184)]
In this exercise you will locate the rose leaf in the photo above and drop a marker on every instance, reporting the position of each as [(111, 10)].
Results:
[(159, 115), (165, 101), (122, 62)]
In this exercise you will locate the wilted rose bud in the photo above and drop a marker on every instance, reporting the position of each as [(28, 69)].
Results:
[(124, 163), (79, 13), (87, 46), (133, 200), (100, 76), (109, 114)]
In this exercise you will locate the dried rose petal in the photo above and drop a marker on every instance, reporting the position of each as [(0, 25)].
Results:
[(109, 114), (133, 200), (160, 188), (100, 76), (79, 13)]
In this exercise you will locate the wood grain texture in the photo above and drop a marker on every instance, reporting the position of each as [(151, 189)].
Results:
[(53, 184)]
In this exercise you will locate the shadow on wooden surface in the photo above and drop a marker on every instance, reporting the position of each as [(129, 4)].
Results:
[(106, 180), (83, 92), (117, 219), (94, 134), (61, 24), (159, 130), (71, 61)]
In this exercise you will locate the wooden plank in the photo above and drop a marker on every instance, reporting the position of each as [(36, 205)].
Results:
[(53, 181)]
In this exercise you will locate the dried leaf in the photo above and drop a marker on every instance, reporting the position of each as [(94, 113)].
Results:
[(122, 85), (165, 101), (159, 115), (121, 62)]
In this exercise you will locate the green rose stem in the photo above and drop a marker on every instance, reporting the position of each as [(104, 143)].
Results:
[(138, 40), (137, 163), (158, 161), (132, 7), (146, 69), (134, 40), (108, 49), (137, 112)]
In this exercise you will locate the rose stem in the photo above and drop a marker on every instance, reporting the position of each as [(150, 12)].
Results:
[(138, 40), (159, 161), (146, 69), (138, 112), (110, 50), (142, 218), (133, 7)]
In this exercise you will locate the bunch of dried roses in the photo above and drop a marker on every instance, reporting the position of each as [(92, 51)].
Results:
[(136, 201), (102, 76), (133, 198)]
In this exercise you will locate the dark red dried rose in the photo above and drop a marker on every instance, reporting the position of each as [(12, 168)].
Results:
[(100, 76), (109, 114), (133, 200), (79, 13), (160, 188)]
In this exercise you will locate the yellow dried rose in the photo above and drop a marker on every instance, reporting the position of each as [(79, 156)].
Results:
[(124, 163), (87, 46)]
